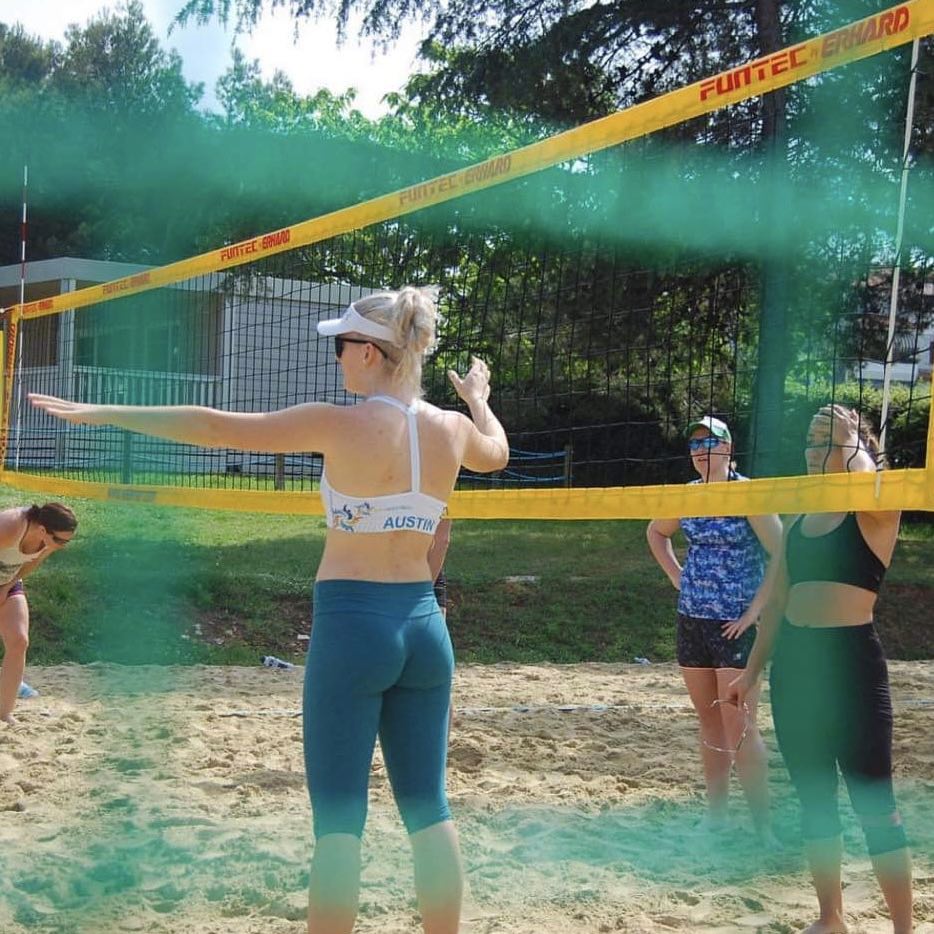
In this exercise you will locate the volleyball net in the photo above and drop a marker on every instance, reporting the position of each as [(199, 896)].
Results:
[(622, 278)]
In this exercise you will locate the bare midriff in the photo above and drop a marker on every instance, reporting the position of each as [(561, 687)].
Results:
[(387, 557), (822, 604)]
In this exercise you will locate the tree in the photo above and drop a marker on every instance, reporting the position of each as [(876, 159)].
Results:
[(249, 101), (566, 60), (109, 99), (25, 60), (116, 64), (622, 290), (123, 167)]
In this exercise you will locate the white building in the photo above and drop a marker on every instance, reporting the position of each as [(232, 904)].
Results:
[(913, 356), (246, 343)]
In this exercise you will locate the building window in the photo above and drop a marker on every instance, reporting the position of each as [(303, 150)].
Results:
[(40, 341), (165, 331)]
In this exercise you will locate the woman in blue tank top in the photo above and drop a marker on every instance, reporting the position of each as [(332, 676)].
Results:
[(829, 680), (720, 594), (380, 661)]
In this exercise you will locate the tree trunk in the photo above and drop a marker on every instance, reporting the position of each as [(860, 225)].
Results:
[(768, 398)]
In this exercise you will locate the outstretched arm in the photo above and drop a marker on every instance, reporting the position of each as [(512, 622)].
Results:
[(304, 427)]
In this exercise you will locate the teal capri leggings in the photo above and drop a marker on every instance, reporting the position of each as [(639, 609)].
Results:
[(380, 662)]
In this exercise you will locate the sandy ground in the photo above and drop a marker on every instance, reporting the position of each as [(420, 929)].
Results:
[(172, 801)]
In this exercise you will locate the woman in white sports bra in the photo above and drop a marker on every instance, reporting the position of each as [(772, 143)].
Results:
[(380, 660), (27, 537)]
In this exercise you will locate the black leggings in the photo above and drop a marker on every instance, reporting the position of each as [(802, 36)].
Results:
[(831, 706)]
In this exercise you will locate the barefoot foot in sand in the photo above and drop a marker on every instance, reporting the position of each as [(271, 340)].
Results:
[(834, 926)]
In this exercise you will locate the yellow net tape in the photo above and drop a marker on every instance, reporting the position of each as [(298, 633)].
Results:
[(903, 489), (6, 395), (900, 489), (862, 39)]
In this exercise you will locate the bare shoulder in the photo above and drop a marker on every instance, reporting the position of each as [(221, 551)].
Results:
[(888, 519), (880, 530), (435, 413), (336, 410), (664, 527), (449, 420), (336, 418), (12, 523), (366, 415)]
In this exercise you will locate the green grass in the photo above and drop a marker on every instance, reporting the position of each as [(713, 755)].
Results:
[(144, 584)]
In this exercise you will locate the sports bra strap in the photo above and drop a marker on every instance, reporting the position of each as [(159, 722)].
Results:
[(414, 456)]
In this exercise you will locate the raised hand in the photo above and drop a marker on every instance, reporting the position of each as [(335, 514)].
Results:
[(475, 386), (78, 413), (837, 425)]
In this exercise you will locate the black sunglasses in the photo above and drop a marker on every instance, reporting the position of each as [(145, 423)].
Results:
[(340, 340)]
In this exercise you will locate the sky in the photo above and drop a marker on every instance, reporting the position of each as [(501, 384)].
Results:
[(312, 62)]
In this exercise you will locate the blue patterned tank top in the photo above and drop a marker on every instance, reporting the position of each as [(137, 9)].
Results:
[(724, 567)]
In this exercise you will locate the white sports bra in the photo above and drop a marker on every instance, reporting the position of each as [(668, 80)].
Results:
[(412, 511), (12, 560)]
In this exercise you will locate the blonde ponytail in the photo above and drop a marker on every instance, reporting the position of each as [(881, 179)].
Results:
[(412, 315)]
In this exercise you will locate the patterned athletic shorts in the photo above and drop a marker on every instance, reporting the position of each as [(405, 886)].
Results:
[(702, 644)]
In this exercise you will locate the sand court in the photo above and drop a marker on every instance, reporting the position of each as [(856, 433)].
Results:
[(172, 801)]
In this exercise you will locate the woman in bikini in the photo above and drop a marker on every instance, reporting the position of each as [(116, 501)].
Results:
[(27, 538)]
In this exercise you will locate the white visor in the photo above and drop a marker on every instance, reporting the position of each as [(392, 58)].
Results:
[(352, 322)]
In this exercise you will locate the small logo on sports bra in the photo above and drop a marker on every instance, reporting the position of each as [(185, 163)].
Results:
[(347, 519)]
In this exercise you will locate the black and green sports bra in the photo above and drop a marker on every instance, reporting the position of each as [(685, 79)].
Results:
[(841, 556)]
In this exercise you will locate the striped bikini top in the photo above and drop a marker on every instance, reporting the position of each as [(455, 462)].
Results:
[(412, 511)]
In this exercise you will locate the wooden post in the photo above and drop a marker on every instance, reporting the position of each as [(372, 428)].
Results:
[(126, 475)]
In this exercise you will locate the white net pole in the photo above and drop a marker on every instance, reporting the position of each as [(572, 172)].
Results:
[(896, 269), (19, 341)]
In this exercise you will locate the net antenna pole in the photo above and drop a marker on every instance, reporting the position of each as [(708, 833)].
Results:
[(897, 263), (22, 301)]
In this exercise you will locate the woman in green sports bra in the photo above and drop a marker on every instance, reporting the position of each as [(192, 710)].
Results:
[(829, 681)]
